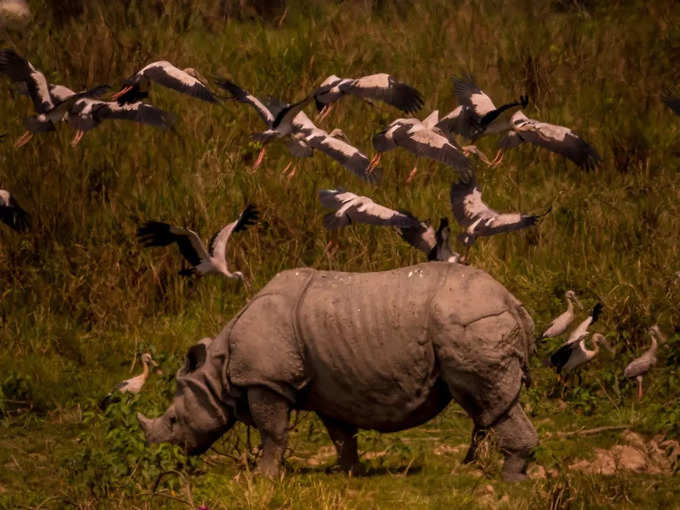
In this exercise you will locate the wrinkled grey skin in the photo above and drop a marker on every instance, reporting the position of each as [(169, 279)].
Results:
[(384, 351)]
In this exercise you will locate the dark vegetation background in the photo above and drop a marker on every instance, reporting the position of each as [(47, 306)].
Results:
[(79, 298)]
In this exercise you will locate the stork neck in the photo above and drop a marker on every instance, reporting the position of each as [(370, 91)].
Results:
[(654, 345), (145, 369), (570, 306)]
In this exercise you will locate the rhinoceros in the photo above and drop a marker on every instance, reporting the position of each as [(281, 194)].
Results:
[(384, 351)]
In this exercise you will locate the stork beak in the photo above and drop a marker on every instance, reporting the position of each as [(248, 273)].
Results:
[(580, 305), (121, 92), (607, 346), (153, 363)]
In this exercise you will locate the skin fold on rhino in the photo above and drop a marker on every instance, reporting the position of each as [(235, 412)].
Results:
[(383, 351)]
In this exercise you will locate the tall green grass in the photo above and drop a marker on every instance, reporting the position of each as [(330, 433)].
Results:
[(79, 297)]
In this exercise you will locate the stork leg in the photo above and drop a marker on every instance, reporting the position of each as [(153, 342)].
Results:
[(23, 139), (292, 172), (499, 157), (375, 161), (286, 168), (412, 174), (325, 112), (78, 137), (639, 381), (260, 158)]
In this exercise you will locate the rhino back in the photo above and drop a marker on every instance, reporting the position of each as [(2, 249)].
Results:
[(367, 350)]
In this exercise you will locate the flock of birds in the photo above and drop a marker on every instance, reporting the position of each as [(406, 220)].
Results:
[(433, 137)]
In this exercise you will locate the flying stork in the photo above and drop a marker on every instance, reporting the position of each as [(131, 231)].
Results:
[(637, 368), (12, 214), (381, 87), (133, 385), (154, 233), (352, 208), (187, 81), (476, 115), (477, 218), (422, 139), (560, 324), (278, 117), (50, 101)]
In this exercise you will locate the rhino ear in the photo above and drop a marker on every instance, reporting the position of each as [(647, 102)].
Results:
[(195, 358)]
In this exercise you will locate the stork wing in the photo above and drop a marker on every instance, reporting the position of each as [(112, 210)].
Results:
[(467, 204), (245, 97), (137, 112), (60, 93), (365, 210), (559, 139), (335, 198), (507, 222), (672, 101), (422, 237), (560, 357), (19, 69), (384, 87), (168, 75), (15, 217), (347, 155), (430, 144), (154, 233), (218, 244), (469, 94), (639, 366)]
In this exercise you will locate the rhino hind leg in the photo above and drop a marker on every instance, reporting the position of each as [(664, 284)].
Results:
[(516, 439), (478, 434), (270, 412), (344, 437)]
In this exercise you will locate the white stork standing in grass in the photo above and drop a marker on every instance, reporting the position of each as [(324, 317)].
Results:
[(154, 233), (422, 139), (278, 117), (637, 368), (187, 81), (560, 323), (435, 245), (582, 329), (50, 101), (558, 139), (477, 218), (133, 385), (381, 87), (85, 114), (12, 214), (476, 114), (574, 355)]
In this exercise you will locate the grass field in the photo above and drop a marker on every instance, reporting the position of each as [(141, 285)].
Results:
[(79, 298)]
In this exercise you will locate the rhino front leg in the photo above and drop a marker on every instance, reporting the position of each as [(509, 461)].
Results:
[(270, 412), (344, 437), (516, 439)]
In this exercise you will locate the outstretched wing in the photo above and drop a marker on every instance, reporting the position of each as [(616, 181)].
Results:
[(347, 155), (421, 236), (559, 139), (168, 75), (430, 144), (137, 112), (467, 204), (14, 216), (18, 69), (218, 244), (386, 88), (245, 97), (469, 94), (155, 233)]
